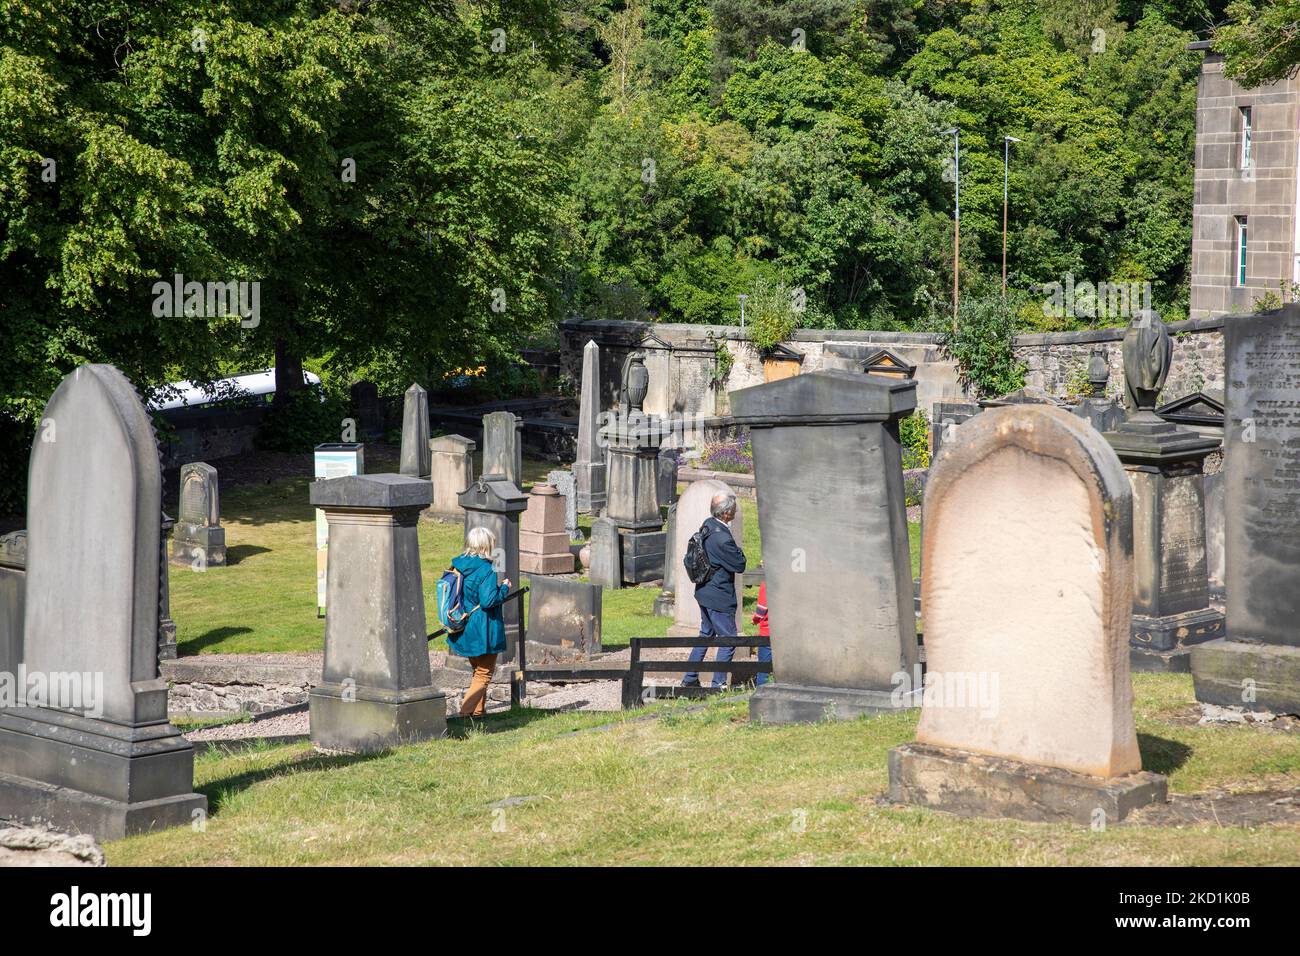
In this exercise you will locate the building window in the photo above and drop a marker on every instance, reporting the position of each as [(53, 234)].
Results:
[(1246, 159), (1241, 250)]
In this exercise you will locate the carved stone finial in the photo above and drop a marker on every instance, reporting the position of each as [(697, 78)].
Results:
[(1148, 352), (1098, 374)]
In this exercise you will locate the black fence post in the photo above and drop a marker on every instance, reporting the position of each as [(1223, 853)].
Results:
[(632, 684)]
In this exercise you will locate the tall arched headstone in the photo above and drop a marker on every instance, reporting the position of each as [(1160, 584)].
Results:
[(95, 751), (1027, 585), (693, 511)]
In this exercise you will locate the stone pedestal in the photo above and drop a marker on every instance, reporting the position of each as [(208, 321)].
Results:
[(1171, 597), (543, 541), (632, 497), (376, 690), (840, 594), (980, 785), (95, 753), (451, 471), (496, 503)]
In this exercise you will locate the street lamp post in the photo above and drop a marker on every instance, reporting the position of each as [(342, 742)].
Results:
[(742, 297), (956, 221), (1006, 162)]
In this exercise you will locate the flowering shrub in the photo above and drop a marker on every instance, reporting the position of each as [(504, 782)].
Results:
[(728, 456)]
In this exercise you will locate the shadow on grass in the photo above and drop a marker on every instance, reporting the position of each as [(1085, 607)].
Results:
[(219, 791), (1160, 755), (241, 551), (192, 646), (513, 719)]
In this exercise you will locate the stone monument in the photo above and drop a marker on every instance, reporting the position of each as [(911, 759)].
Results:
[(496, 503), (198, 540), (1171, 596), (945, 419), (1257, 667), (565, 615), (666, 603), (415, 433), (837, 559), (565, 484), (693, 511), (606, 568), (95, 752), (13, 587), (166, 626), (631, 490), (1027, 707), (1104, 414), (543, 542), (503, 446), (451, 471), (589, 469), (376, 691)]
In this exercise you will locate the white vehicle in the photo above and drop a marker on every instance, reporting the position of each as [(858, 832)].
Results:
[(194, 396)]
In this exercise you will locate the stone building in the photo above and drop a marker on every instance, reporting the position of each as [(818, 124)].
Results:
[(1245, 230)]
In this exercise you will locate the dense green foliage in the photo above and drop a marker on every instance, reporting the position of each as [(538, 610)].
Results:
[(421, 186)]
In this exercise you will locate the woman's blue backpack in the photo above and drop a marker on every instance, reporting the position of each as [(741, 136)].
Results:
[(450, 592)]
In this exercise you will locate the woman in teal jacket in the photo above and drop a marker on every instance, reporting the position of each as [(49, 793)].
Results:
[(484, 636)]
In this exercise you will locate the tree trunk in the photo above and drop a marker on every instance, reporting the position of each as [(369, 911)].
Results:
[(288, 372)]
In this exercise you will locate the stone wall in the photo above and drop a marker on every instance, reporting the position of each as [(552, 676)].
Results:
[(1053, 359), (681, 359)]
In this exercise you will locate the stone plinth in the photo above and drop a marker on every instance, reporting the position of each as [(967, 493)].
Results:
[(451, 471), (840, 594), (376, 691), (543, 540), (95, 753)]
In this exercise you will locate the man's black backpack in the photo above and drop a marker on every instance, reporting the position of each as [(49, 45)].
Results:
[(698, 567)]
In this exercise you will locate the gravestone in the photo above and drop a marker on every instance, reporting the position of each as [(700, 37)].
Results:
[(503, 446), (1257, 666), (589, 468), (543, 542), (564, 614), (95, 753), (368, 410), (496, 503), (1215, 536), (198, 540), (415, 433), (1165, 462), (451, 471), (693, 511), (632, 476), (1027, 705), (564, 483), (666, 485), (376, 691), (836, 554), (13, 577), (945, 419), (166, 626), (665, 604), (606, 568)]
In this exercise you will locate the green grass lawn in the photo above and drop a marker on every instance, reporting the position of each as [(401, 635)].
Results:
[(691, 788), (264, 600)]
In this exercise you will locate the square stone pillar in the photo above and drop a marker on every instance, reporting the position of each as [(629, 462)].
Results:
[(829, 475), (632, 495), (451, 469), (376, 691), (495, 503)]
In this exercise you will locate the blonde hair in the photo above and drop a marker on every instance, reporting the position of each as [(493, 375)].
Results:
[(480, 543)]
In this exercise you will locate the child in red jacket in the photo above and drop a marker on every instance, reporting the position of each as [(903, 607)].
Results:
[(760, 618)]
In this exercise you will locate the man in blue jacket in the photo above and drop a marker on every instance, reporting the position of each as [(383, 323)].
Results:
[(717, 595)]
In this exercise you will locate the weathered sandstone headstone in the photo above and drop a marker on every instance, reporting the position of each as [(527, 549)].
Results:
[(94, 752), (1027, 708), (606, 569), (503, 446), (564, 614), (566, 485), (693, 511)]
